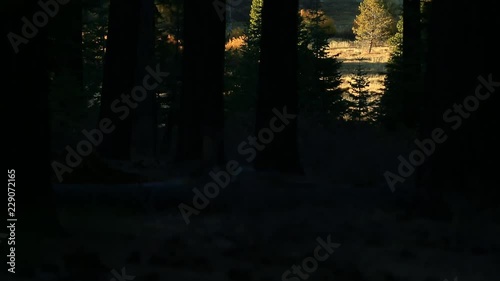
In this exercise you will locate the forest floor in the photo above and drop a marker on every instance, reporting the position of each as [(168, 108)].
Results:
[(257, 228)]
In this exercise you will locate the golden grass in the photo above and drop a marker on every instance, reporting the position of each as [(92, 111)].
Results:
[(353, 54), (376, 82)]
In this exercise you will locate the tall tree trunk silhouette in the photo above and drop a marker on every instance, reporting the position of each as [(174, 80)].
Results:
[(460, 164), (411, 33), (202, 105), (411, 62), (129, 48), (28, 126), (431, 201), (277, 89), (145, 123)]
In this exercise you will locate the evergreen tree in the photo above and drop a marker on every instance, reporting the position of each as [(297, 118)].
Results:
[(319, 76), (316, 29), (373, 24), (363, 103), (396, 41), (243, 75), (393, 82), (395, 9), (255, 26)]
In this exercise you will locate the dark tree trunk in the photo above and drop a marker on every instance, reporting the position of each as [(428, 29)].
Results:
[(145, 123), (411, 61), (31, 80), (213, 110), (172, 126), (277, 87), (28, 126), (411, 34), (202, 103), (190, 139), (461, 164), (129, 49)]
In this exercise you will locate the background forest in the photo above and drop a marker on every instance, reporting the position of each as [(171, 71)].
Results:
[(236, 140)]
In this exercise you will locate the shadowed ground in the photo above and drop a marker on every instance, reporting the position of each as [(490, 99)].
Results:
[(257, 228)]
